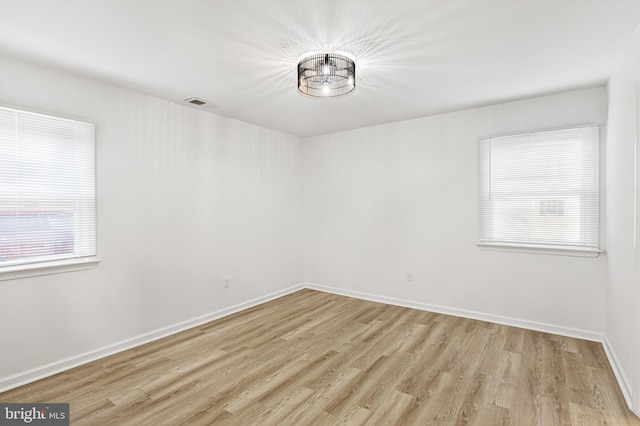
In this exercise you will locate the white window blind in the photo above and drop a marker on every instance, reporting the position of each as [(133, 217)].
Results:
[(541, 189), (47, 188)]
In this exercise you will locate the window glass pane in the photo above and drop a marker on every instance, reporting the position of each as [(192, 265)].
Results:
[(540, 188), (47, 188)]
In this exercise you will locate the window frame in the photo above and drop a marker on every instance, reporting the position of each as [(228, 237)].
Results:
[(52, 265), (551, 249)]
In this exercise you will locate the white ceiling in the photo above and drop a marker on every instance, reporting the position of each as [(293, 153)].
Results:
[(414, 57)]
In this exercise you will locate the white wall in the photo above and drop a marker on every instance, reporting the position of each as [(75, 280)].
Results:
[(403, 196), (184, 198), (623, 301)]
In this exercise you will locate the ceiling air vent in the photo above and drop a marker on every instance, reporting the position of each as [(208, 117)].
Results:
[(202, 103)]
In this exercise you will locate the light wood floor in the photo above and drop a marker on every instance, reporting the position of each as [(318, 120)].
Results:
[(315, 358)]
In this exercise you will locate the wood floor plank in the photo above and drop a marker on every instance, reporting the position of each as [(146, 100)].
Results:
[(284, 407), (514, 339), (505, 380), (391, 409), (313, 358)]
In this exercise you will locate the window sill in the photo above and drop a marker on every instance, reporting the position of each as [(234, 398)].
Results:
[(47, 268), (553, 250)]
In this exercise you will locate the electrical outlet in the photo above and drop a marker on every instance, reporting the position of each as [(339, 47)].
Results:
[(409, 276), (226, 282)]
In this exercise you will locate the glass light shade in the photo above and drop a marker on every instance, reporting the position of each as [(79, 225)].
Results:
[(326, 76)]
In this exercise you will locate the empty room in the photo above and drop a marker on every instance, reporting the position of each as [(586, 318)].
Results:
[(420, 212)]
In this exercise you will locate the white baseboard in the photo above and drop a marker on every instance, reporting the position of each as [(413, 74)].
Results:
[(514, 322), (22, 378), (621, 377)]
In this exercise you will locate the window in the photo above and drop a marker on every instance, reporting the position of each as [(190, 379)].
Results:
[(540, 191), (47, 190)]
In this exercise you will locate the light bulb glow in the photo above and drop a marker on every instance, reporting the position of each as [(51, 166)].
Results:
[(325, 89)]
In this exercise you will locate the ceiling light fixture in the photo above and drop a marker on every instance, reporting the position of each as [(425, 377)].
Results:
[(326, 75)]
